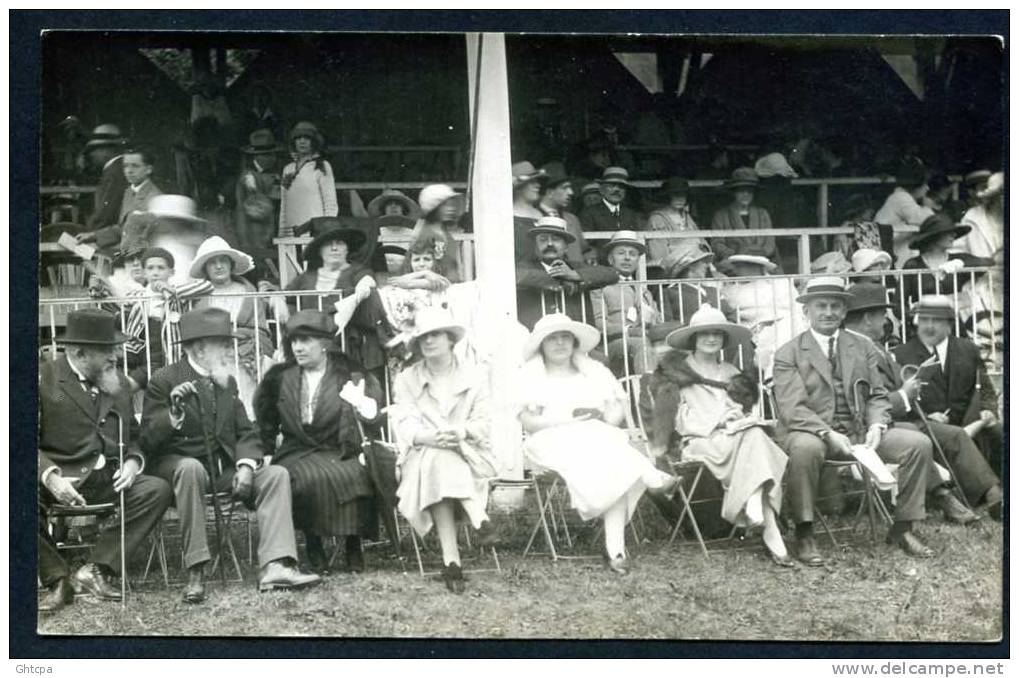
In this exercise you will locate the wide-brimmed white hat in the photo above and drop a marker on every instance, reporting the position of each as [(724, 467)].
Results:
[(587, 336), (768, 265), (707, 319), (169, 206), (831, 262), (433, 195), (866, 257), (215, 246), (678, 260), (995, 185), (431, 319), (824, 286)]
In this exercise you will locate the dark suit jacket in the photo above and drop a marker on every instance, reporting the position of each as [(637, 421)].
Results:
[(891, 372), (109, 195), (693, 297), (74, 431), (533, 284), (804, 395), (131, 202), (231, 433), (954, 388), (598, 218)]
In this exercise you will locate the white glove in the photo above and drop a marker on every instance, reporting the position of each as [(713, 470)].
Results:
[(365, 406), (363, 288), (952, 266)]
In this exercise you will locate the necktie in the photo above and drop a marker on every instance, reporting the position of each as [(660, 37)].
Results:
[(91, 389), (832, 355)]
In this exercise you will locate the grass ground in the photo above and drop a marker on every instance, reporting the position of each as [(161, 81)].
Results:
[(865, 592)]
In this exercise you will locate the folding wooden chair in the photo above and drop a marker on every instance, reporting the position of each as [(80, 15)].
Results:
[(871, 502)]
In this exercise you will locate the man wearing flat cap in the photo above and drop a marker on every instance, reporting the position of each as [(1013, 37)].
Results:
[(830, 396), (82, 402), (199, 439), (957, 388), (866, 316), (610, 214), (548, 282)]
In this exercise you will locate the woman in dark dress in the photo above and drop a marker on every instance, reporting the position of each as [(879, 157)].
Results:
[(313, 399)]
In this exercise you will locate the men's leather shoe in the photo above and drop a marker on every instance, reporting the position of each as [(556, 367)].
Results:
[(279, 575), (807, 553), (453, 576), (90, 579), (355, 556), (194, 591), (993, 502), (60, 595), (911, 544), (955, 511)]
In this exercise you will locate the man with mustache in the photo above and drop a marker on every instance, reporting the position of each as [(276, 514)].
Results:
[(824, 410), (547, 282), (192, 420), (958, 390), (81, 398)]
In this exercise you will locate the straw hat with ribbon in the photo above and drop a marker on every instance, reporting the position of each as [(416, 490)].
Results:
[(552, 226), (934, 306), (623, 238), (615, 175), (215, 246), (726, 265), (707, 319), (261, 142), (823, 287), (742, 177), (105, 135), (586, 335)]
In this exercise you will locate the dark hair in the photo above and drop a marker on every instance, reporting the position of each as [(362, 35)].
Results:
[(148, 157), (692, 341), (157, 253)]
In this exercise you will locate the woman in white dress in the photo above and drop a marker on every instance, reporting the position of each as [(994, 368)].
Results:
[(440, 416), (571, 408), (697, 401)]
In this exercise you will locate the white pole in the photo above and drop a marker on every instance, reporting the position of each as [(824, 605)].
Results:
[(492, 208)]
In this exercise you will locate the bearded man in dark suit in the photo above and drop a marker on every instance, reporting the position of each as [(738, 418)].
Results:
[(195, 430), (82, 402)]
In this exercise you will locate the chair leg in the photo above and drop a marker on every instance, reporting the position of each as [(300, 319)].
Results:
[(824, 524)]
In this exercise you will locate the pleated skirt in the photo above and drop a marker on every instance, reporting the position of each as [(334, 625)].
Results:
[(331, 496)]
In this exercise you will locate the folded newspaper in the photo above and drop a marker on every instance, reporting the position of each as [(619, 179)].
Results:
[(67, 241), (869, 459)]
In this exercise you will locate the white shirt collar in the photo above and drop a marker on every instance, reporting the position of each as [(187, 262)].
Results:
[(612, 208), (547, 267), (941, 350), (81, 377), (822, 340), (139, 186), (202, 372)]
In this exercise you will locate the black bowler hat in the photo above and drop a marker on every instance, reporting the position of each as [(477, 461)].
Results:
[(93, 327), (865, 296), (311, 323), (206, 323)]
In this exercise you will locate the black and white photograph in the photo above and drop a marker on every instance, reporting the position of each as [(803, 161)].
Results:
[(560, 334)]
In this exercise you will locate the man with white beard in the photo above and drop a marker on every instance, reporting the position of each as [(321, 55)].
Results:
[(81, 399), (195, 428)]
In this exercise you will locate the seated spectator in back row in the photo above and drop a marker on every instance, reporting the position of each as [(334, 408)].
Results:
[(137, 164), (625, 312), (611, 214), (986, 219), (527, 184), (683, 299), (902, 207), (935, 238), (673, 217), (547, 282), (556, 197), (742, 214)]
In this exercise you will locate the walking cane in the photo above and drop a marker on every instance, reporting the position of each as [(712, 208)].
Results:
[(123, 528), (214, 480)]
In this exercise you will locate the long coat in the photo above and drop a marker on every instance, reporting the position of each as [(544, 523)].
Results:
[(534, 285), (231, 433), (74, 431), (954, 388), (804, 391)]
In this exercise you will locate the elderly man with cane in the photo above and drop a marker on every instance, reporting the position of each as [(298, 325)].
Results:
[(953, 446), (820, 376), (85, 419), (198, 437)]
